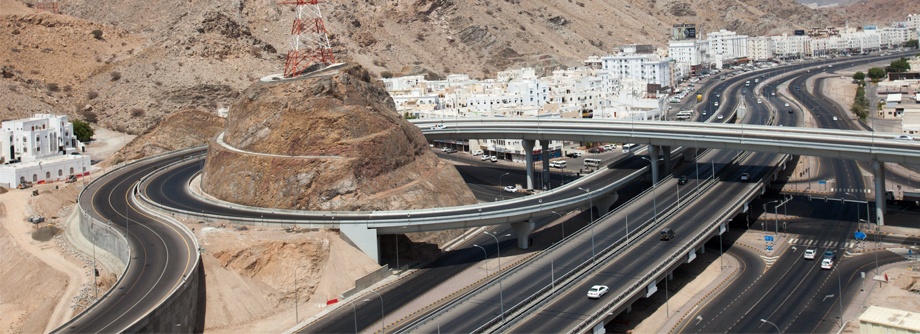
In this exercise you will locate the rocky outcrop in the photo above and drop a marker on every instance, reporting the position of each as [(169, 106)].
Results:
[(329, 142)]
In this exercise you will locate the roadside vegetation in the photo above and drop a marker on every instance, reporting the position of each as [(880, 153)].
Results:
[(861, 104)]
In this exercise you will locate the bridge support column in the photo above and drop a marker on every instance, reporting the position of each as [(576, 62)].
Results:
[(653, 156), (670, 275), (702, 250), (604, 203), (880, 192), (666, 152), (544, 155), (522, 232), (528, 160)]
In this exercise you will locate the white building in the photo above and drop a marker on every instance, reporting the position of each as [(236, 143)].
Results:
[(913, 21), (862, 41), (726, 45), (760, 48), (40, 149), (893, 37), (646, 67)]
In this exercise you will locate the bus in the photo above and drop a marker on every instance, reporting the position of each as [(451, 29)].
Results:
[(629, 147), (591, 162)]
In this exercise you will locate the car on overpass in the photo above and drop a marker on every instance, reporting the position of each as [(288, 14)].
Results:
[(511, 189), (682, 179), (597, 291), (745, 176)]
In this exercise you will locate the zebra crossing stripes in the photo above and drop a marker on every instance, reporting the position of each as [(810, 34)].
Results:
[(822, 243), (853, 190)]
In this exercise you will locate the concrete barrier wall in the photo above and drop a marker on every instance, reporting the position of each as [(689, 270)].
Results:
[(182, 312), (367, 281), (105, 237)]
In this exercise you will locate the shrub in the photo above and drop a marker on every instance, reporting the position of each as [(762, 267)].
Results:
[(53, 87), (82, 130), (115, 75), (97, 34), (91, 95), (386, 74), (89, 116), (137, 112)]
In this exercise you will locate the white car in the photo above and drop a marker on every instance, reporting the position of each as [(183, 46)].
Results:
[(719, 117), (511, 189), (716, 104), (904, 137), (758, 101), (810, 254), (827, 264), (485, 157), (745, 176), (597, 291), (493, 158), (438, 127)]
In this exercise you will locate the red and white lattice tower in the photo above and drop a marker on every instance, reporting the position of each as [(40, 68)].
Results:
[(309, 43)]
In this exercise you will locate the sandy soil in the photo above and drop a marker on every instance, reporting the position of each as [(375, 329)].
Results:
[(251, 275), (36, 256)]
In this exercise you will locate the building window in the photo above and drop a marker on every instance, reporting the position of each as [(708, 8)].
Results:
[(34, 178), (47, 175)]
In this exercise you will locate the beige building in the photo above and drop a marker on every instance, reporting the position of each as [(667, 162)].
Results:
[(882, 320)]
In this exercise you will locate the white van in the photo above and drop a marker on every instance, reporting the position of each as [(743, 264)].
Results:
[(629, 147), (557, 164), (591, 162)]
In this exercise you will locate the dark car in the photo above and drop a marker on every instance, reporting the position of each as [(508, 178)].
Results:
[(682, 179), (594, 150), (666, 234)]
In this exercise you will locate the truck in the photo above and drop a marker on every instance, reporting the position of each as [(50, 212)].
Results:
[(912, 196)]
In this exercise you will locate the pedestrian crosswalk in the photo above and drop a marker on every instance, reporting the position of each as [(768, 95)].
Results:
[(825, 243)]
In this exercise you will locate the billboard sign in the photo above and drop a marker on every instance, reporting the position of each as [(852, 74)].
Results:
[(683, 31), (799, 32), (870, 27)]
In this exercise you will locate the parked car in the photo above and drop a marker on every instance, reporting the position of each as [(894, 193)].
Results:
[(597, 291), (493, 158), (485, 157), (476, 152), (572, 155), (745, 176), (594, 150), (511, 189), (810, 254)]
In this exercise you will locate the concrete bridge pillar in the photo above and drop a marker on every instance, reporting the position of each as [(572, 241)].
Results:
[(544, 155), (522, 232), (604, 203), (880, 192), (528, 160), (653, 156), (666, 152)]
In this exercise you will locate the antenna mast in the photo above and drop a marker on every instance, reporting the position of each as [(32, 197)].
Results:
[(309, 42)]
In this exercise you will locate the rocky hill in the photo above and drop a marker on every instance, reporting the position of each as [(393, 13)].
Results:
[(127, 64), (327, 142)]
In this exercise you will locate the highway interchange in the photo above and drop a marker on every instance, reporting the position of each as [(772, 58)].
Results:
[(609, 234)]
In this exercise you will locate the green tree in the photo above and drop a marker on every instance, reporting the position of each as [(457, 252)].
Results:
[(913, 43), (876, 73), (82, 130), (859, 76), (900, 65)]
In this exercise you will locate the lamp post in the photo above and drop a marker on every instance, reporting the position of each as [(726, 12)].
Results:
[(382, 316), (501, 190), (654, 195), (354, 311), (774, 325), (561, 224), (486, 256), (501, 294), (775, 220), (591, 222), (855, 199)]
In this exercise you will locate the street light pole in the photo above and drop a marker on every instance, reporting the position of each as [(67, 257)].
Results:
[(591, 222), (486, 256), (382, 316), (354, 311), (501, 294), (774, 325), (561, 224), (501, 190)]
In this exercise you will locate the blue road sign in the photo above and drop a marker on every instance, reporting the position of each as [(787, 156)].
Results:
[(859, 235), (768, 238), (822, 181), (770, 247)]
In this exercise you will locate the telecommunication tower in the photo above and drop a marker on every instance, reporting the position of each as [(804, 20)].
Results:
[(309, 43)]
